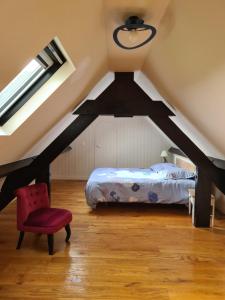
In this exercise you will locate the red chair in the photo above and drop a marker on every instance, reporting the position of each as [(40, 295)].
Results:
[(34, 214)]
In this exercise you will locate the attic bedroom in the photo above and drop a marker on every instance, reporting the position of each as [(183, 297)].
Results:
[(112, 157)]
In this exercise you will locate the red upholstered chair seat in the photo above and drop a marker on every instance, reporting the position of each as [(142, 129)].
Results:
[(34, 214), (47, 219)]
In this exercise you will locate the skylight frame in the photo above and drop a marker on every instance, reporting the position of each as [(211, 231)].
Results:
[(51, 59)]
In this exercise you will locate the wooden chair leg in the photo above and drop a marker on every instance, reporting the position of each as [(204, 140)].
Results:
[(50, 243), (21, 236), (68, 232)]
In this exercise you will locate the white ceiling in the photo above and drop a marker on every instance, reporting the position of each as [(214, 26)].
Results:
[(185, 61)]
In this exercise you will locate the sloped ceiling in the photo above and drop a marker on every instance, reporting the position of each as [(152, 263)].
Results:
[(26, 27), (187, 64), (185, 61)]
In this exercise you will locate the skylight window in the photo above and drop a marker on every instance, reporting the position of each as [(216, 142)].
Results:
[(29, 80)]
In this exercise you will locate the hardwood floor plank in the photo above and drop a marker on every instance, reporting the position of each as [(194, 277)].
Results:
[(117, 252)]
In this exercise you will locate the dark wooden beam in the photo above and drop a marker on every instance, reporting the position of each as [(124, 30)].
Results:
[(124, 97), (125, 109), (206, 170), (25, 175), (202, 199), (13, 181), (186, 145), (44, 176), (183, 142), (10, 167)]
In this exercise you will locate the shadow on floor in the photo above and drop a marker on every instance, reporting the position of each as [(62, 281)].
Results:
[(139, 208)]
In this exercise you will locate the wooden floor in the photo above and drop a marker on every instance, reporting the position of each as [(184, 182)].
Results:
[(117, 252)]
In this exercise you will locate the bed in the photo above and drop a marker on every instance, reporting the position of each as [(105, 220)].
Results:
[(161, 183)]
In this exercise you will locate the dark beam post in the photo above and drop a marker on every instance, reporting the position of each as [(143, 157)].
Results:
[(191, 150), (44, 176), (205, 172), (25, 175), (202, 199), (123, 97), (182, 141)]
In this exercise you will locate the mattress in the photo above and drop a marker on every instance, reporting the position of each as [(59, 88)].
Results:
[(135, 185)]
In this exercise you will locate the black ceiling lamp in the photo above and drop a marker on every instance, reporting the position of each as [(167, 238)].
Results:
[(132, 25)]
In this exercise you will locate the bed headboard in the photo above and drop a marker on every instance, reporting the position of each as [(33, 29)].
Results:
[(183, 162)]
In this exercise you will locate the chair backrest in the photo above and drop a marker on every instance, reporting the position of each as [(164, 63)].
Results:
[(29, 199)]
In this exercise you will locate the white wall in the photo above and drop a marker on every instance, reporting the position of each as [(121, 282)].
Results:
[(111, 142)]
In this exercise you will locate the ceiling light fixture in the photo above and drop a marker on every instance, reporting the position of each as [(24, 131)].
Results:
[(132, 26)]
